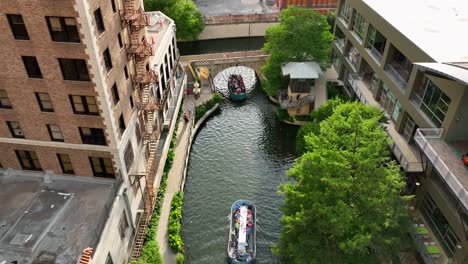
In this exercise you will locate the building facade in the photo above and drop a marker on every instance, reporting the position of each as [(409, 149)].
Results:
[(414, 68), (322, 6), (91, 89)]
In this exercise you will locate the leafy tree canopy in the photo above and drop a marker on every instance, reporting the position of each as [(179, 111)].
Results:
[(302, 35), (345, 204), (185, 13)]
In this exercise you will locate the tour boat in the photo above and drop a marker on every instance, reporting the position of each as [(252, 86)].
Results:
[(236, 88), (242, 233)]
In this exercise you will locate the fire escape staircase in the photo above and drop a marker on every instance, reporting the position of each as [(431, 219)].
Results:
[(140, 50)]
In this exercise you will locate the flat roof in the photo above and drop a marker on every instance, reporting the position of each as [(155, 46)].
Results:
[(438, 27), (156, 31), (52, 222), (457, 73), (302, 70)]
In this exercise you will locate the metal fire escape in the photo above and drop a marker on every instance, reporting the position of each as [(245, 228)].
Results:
[(139, 50)]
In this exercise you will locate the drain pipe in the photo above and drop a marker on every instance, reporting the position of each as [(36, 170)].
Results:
[(128, 208)]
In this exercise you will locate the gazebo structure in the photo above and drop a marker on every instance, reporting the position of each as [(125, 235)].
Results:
[(299, 97)]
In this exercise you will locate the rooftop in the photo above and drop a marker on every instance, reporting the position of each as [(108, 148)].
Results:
[(159, 25), (54, 221), (302, 70), (438, 27)]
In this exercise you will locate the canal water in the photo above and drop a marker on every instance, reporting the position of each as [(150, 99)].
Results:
[(242, 152), (220, 45)]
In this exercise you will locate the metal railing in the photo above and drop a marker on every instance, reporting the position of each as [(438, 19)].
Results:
[(395, 75), (375, 54), (421, 137), (352, 80), (421, 247), (340, 43), (287, 103)]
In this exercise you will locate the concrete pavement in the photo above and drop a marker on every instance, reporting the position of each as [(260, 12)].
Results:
[(175, 176)]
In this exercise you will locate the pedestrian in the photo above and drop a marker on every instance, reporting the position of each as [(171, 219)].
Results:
[(185, 117)]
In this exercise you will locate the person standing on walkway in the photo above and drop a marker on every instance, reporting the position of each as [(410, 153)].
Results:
[(185, 117)]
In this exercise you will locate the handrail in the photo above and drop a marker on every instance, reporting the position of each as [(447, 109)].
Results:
[(421, 136), (396, 76), (375, 54)]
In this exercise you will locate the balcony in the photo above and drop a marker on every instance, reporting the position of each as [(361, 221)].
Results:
[(352, 56), (446, 158), (375, 54), (406, 155), (398, 74), (340, 44)]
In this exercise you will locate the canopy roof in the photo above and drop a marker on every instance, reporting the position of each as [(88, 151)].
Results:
[(302, 70), (455, 71)]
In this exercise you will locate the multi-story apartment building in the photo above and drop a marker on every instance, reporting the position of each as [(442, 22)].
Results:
[(410, 58), (89, 92)]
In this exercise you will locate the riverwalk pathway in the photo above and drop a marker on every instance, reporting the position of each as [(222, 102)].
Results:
[(178, 166)]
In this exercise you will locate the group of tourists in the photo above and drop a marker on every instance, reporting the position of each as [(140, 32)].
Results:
[(236, 84)]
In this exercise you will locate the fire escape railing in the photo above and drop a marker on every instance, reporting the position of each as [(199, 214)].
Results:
[(139, 50)]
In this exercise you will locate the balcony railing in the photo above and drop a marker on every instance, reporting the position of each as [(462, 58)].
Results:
[(422, 137), (340, 43), (396, 76), (375, 54), (362, 91), (285, 102)]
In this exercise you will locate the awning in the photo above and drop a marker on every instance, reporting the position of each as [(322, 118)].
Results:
[(455, 73)]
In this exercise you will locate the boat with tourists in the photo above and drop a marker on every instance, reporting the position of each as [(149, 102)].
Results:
[(242, 233), (236, 88)]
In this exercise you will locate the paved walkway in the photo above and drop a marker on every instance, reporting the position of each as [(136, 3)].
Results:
[(175, 174)]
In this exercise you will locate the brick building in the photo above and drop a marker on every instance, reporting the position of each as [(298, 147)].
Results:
[(90, 89), (412, 62), (322, 6)]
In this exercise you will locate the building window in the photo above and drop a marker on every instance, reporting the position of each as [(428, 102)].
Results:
[(102, 167), (44, 101), (32, 67), (358, 25), (122, 124), (114, 8), (123, 225), (107, 60), (435, 103), (15, 129), (119, 38), (65, 163), (55, 133), (17, 27), (409, 128), (390, 103), (84, 105), (99, 21), (346, 11), (131, 101), (128, 156), (137, 133), (63, 29), (439, 225), (126, 73), (28, 160), (4, 100), (74, 69), (115, 94), (93, 136)]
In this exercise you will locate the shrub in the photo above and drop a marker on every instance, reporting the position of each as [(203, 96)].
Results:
[(201, 110), (180, 258), (175, 217), (282, 114)]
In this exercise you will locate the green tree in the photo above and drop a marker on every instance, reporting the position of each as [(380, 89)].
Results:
[(345, 204), (302, 35), (185, 13)]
